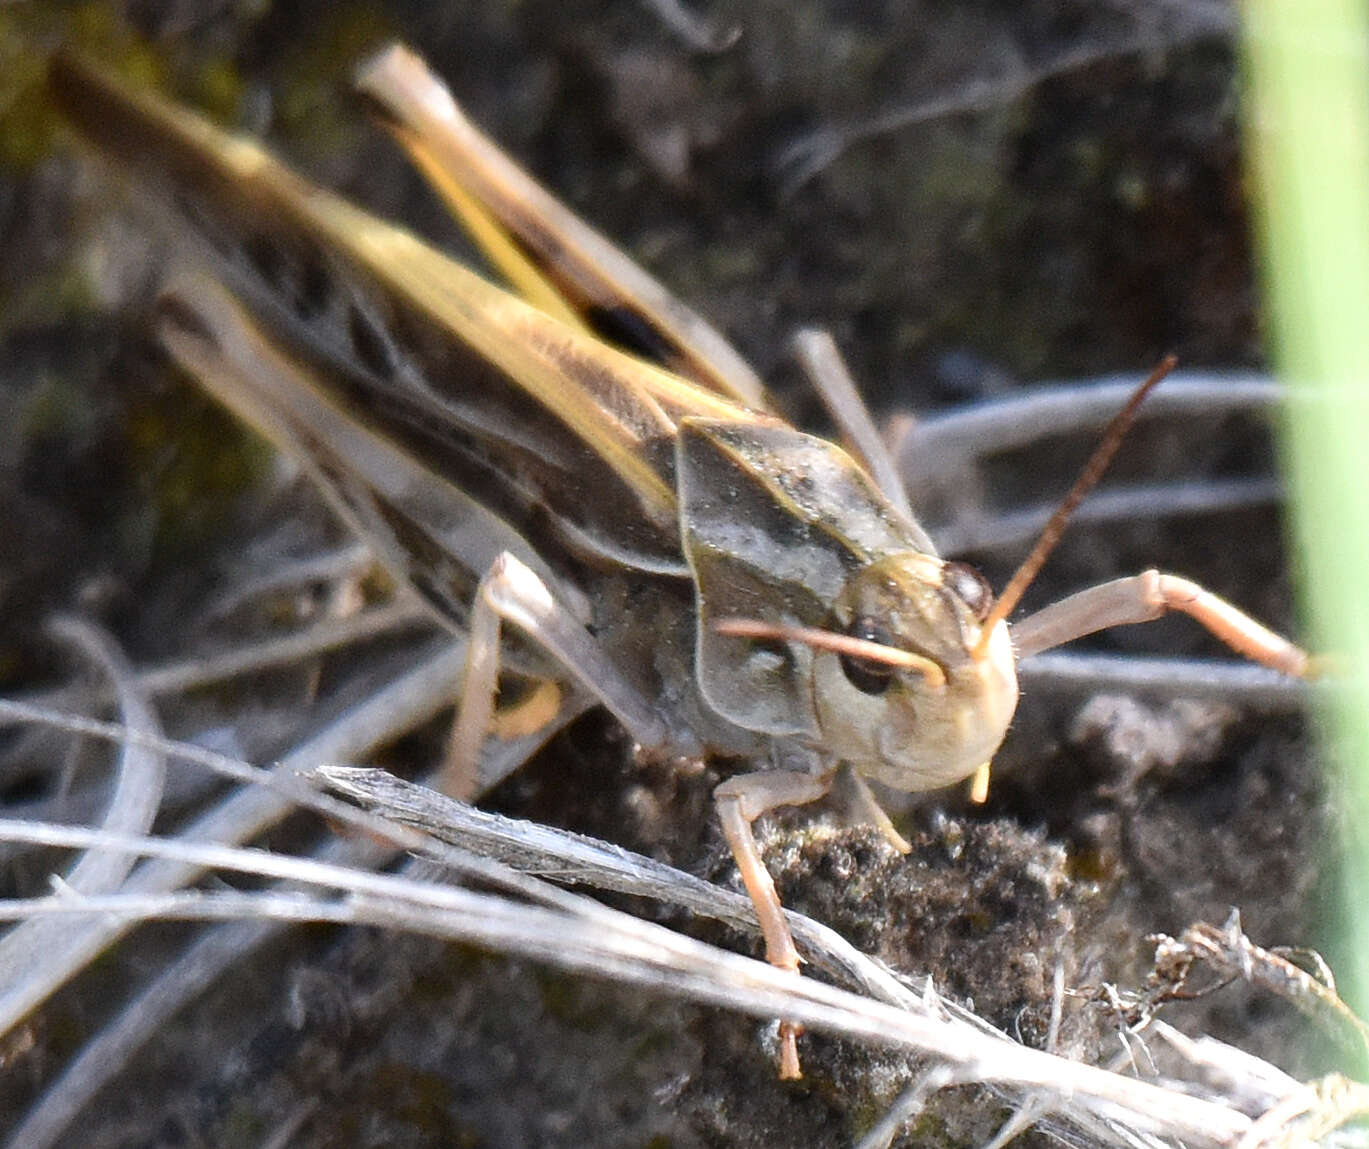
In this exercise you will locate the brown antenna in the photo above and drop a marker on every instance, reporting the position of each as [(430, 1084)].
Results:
[(843, 644), (1050, 534)]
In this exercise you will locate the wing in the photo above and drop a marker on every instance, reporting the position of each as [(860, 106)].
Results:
[(551, 255), (425, 528), (543, 421)]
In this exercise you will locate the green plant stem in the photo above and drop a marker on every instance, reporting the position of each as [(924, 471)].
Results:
[(1307, 120)]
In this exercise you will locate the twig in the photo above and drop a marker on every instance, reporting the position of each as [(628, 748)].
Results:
[(807, 157), (1256, 687), (1136, 503), (933, 445)]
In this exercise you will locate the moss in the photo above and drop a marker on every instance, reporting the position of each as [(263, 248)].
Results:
[(566, 998), (196, 463), (29, 124), (243, 1124), (218, 89), (310, 111)]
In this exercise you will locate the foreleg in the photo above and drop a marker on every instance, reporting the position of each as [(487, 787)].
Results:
[(1146, 597), (740, 801)]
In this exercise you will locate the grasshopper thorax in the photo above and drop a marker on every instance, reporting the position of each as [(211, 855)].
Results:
[(916, 728)]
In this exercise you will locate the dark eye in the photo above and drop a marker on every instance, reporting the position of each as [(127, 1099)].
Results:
[(866, 675), (968, 585)]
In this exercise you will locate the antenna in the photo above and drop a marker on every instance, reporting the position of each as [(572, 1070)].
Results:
[(1050, 534), (843, 644)]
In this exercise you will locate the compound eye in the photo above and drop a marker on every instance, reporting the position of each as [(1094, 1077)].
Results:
[(971, 587), (866, 675)]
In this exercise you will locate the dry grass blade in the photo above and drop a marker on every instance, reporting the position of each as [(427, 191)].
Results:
[(274, 574), (37, 956), (110, 1050), (136, 795), (182, 675), (246, 814), (577, 860), (581, 936), (694, 31), (912, 1101), (574, 859), (404, 703), (1227, 954)]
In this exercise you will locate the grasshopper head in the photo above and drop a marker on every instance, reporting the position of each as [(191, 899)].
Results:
[(926, 726)]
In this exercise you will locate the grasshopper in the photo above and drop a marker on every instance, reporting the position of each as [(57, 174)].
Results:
[(585, 463)]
